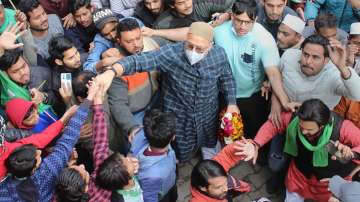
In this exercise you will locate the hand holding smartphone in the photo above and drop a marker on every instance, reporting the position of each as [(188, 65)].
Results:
[(333, 150)]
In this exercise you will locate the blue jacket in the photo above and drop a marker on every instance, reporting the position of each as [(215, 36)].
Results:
[(44, 178), (101, 45), (343, 10), (157, 174)]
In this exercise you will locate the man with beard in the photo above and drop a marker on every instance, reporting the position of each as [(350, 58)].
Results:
[(272, 14), (309, 73), (130, 96), (308, 135), (194, 72), (43, 27), (18, 80), (65, 58), (290, 33), (84, 31), (148, 10), (210, 180)]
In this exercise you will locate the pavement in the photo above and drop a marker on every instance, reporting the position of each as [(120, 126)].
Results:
[(254, 174)]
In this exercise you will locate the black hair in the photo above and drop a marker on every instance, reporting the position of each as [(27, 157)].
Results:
[(22, 161), (325, 20), (205, 170), (77, 4), (314, 110), (169, 2), (319, 40), (245, 6), (58, 44), (127, 24), (70, 187), (159, 128), (112, 173), (27, 6), (9, 58), (80, 81)]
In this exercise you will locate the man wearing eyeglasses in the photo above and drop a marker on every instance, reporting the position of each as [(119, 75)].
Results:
[(252, 54)]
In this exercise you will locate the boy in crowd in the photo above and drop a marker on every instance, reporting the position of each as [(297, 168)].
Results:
[(157, 160)]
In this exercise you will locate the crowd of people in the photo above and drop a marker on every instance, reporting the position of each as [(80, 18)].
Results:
[(102, 100)]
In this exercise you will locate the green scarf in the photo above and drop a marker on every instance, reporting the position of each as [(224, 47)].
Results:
[(9, 19), (9, 89), (320, 153)]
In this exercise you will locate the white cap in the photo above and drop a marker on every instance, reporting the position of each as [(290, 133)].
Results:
[(295, 23), (355, 28)]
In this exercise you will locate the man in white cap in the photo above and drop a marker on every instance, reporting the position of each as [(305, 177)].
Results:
[(290, 33), (193, 73), (353, 58)]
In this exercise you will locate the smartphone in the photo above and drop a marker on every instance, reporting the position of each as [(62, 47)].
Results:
[(333, 150), (66, 80)]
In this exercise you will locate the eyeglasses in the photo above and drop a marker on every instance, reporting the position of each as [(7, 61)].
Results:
[(243, 22)]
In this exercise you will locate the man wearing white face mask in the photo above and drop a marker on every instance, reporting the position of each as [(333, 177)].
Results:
[(193, 72)]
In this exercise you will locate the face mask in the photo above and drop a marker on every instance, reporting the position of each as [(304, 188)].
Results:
[(193, 56)]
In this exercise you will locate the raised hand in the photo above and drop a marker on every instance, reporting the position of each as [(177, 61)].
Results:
[(351, 51), (69, 21), (247, 149), (9, 36), (20, 17), (93, 87), (337, 53), (66, 93)]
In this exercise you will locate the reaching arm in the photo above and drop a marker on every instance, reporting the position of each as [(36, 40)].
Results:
[(53, 164), (275, 79), (177, 34), (100, 136), (93, 62), (41, 140), (268, 130), (227, 157)]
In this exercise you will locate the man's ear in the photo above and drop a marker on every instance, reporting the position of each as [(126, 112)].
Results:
[(59, 62)]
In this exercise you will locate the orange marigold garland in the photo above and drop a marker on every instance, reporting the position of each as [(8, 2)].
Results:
[(231, 127)]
